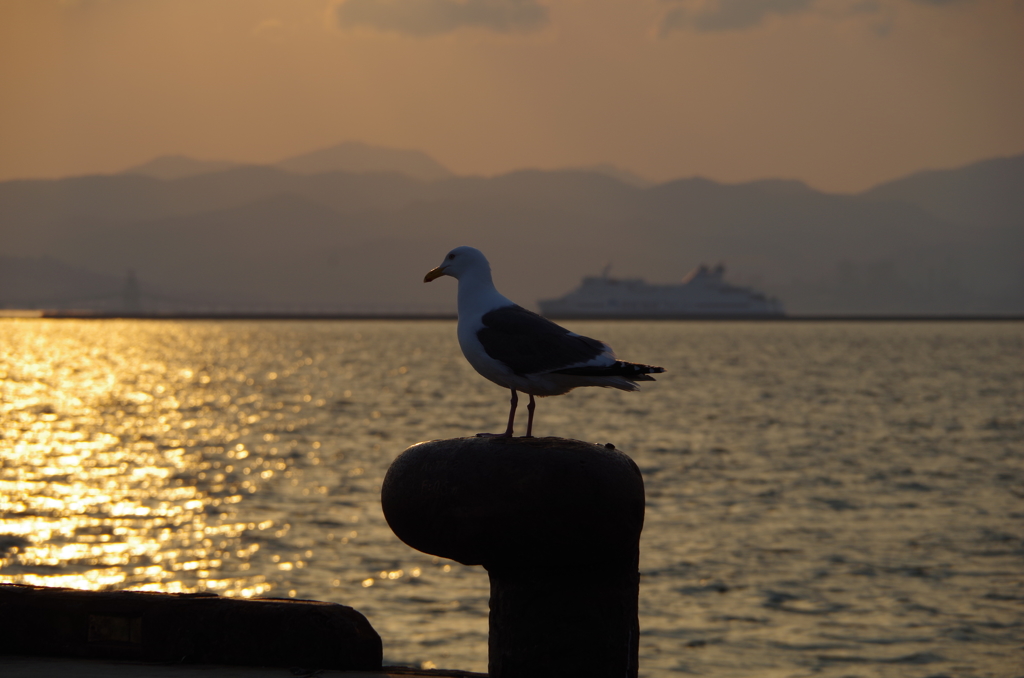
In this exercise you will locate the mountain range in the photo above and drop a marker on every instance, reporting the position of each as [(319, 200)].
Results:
[(350, 156), (353, 228)]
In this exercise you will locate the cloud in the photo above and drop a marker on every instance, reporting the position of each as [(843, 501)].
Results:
[(709, 16), (864, 7), (730, 15), (424, 18)]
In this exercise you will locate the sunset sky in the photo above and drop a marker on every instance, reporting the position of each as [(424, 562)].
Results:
[(842, 94)]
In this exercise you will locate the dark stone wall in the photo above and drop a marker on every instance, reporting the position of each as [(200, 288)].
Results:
[(185, 628)]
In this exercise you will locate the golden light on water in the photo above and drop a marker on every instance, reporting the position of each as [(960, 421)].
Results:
[(99, 466)]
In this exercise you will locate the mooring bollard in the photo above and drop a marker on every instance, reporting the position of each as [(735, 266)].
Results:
[(555, 522)]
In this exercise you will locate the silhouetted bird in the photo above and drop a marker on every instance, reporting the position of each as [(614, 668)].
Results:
[(522, 351)]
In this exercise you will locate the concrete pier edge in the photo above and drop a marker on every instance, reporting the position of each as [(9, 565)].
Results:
[(181, 628)]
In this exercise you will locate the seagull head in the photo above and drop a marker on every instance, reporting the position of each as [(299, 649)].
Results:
[(458, 262)]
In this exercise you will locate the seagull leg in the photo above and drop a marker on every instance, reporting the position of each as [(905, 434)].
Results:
[(529, 422), (511, 419), (512, 414)]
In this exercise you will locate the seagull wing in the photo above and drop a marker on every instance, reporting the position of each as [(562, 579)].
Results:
[(530, 344)]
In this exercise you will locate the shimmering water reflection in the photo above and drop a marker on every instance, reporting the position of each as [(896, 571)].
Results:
[(828, 499)]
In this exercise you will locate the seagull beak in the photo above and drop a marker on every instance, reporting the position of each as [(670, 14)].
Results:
[(434, 274)]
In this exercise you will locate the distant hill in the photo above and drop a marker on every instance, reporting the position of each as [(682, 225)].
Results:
[(985, 194), (266, 238), (178, 166), (49, 283), (986, 202), (360, 158), (36, 215), (625, 176), (351, 156)]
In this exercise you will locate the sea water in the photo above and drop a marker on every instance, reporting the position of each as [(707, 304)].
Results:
[(827, 499)]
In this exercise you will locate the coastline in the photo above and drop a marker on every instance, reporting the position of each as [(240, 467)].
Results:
[(113, 315)]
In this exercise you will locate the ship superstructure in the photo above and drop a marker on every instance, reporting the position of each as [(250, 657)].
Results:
[(702, 293)]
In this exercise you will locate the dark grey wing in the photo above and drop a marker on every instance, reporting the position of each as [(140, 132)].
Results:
[(530, 344)]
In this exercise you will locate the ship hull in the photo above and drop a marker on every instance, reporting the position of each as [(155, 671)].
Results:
[(703, 294)]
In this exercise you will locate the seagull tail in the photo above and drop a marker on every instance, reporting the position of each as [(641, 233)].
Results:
[(619, 368)]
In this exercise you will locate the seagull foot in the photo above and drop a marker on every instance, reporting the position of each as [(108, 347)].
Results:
[(494, 435)]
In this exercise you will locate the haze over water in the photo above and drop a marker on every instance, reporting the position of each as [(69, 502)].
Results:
[(833, 499)]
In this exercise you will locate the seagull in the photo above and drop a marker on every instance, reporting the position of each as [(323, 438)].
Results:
[(522, 351)]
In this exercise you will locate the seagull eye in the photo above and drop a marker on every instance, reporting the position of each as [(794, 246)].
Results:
[(451, 256)]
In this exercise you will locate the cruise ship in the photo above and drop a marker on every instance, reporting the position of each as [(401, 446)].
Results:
[(703, 293)]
